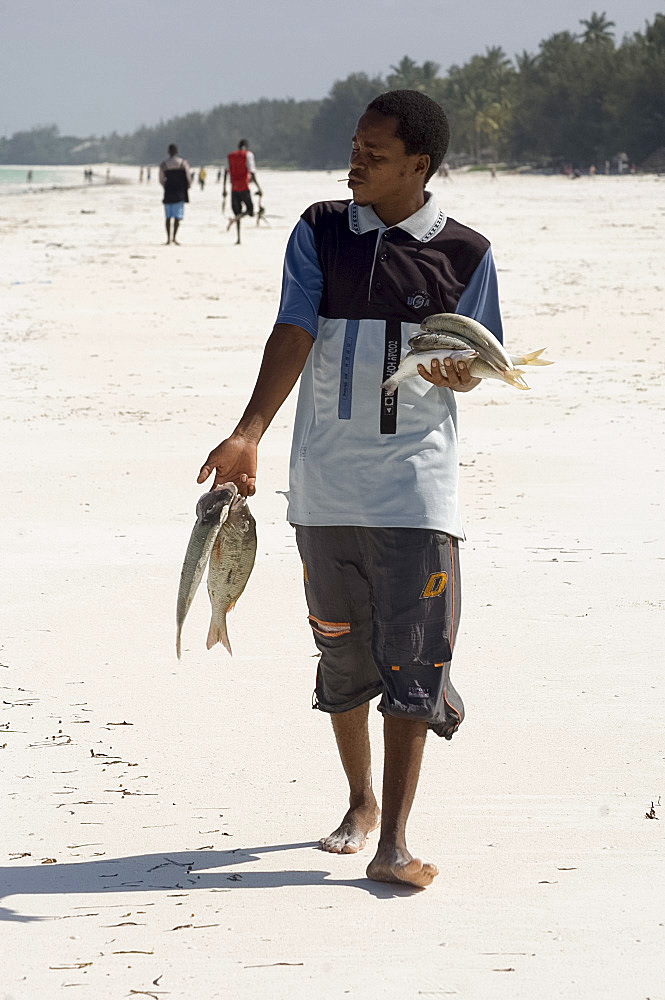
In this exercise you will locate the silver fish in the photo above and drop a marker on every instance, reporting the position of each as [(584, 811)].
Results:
[(474, 335), (212, 511), (478, 368), (434, 341), (231, 562)]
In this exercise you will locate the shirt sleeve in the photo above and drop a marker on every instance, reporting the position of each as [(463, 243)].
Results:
[(250, 162), (302, 281), (480, 298)]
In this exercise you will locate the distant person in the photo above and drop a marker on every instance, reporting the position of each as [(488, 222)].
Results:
[(141, 176), (444, 172), (29, 177), (175, 177), (241, 169), (148, 175), (219, 175), (592, 170), (202, 178), (108, 175), (493, 172)]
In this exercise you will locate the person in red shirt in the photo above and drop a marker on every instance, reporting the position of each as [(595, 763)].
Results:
[(241, 169)]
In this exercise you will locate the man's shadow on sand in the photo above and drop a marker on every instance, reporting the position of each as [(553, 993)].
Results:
[(185, 871)]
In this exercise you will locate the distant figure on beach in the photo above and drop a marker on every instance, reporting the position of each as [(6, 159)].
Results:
[(219, 175), (141, 176), (148, 175), (241, 169), (592, 170), (108, 175), (373, 474), (202, 178), (444, 172), (175, 177), (29, 177), (493, 172)]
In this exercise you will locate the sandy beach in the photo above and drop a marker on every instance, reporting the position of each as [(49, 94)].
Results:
[(138, 790)]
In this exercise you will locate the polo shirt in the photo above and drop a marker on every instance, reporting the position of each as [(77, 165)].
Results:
[(361, 456)]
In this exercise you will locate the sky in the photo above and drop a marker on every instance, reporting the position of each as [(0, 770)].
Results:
[(92, 67)]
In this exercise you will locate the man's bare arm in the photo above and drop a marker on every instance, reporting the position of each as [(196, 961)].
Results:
[(284, 357)]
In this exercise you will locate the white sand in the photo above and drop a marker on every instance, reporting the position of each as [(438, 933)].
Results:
[(123, 363)]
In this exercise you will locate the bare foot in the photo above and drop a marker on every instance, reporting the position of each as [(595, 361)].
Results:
[(351, 835), (398, 866)]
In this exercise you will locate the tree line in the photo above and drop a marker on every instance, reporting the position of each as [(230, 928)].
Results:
[(581, 98)]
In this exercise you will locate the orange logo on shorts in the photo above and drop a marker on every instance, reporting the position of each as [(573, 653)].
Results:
[(435, 585)]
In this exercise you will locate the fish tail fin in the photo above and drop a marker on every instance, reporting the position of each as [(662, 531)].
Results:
[(217, 633), (513, 376), (533, 358), (178, 650)]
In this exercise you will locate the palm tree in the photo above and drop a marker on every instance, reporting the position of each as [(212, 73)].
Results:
[(410, 76), (404, 75), (597, 29)]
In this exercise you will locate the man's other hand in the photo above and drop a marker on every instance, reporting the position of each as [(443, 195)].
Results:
[(232, 461)]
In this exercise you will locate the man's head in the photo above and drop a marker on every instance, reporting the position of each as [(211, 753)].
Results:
[(398, 145), (242, 144), (173, 149)]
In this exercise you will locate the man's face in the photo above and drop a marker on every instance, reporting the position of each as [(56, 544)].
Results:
[(380, 166)]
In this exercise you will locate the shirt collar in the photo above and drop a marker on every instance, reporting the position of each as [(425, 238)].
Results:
[(423, 225)]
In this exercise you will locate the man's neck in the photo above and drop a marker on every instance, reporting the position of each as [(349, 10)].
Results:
[(396, 210)]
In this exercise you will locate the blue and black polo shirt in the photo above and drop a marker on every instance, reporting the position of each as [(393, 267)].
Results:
[(360, 455)]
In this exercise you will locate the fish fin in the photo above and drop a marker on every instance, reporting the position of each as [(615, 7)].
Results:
[(217, 633), (231, 607), (513, 376), (178, 650), (533, 358)]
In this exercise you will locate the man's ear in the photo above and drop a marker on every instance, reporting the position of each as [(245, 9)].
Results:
[(422, 164)]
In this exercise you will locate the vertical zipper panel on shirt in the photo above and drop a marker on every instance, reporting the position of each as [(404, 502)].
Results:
[(346, 373), (379, 237), (391, 359)]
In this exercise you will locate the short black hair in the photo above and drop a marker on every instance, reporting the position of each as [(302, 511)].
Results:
[(173, 149), (421, 123), (242, 144)]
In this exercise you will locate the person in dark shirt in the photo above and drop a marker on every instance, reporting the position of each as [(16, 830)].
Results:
[(175, 177)]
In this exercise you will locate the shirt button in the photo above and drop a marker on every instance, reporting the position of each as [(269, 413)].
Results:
[(384, 256), (378, 285), (386, 235)]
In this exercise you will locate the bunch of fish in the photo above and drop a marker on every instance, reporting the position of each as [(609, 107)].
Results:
[(448, 335), (224, 539)]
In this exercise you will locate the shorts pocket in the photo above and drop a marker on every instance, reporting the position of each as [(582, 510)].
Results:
[(418, 644)]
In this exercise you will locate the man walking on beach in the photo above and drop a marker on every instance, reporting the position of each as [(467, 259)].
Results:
[(241, 169), (175, 177), (373, 476)]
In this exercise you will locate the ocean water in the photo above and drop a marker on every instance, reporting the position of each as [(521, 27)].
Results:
[(15, 178)]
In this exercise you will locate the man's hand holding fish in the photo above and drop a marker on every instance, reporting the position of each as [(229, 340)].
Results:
[(233, 461), (456, 375)]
